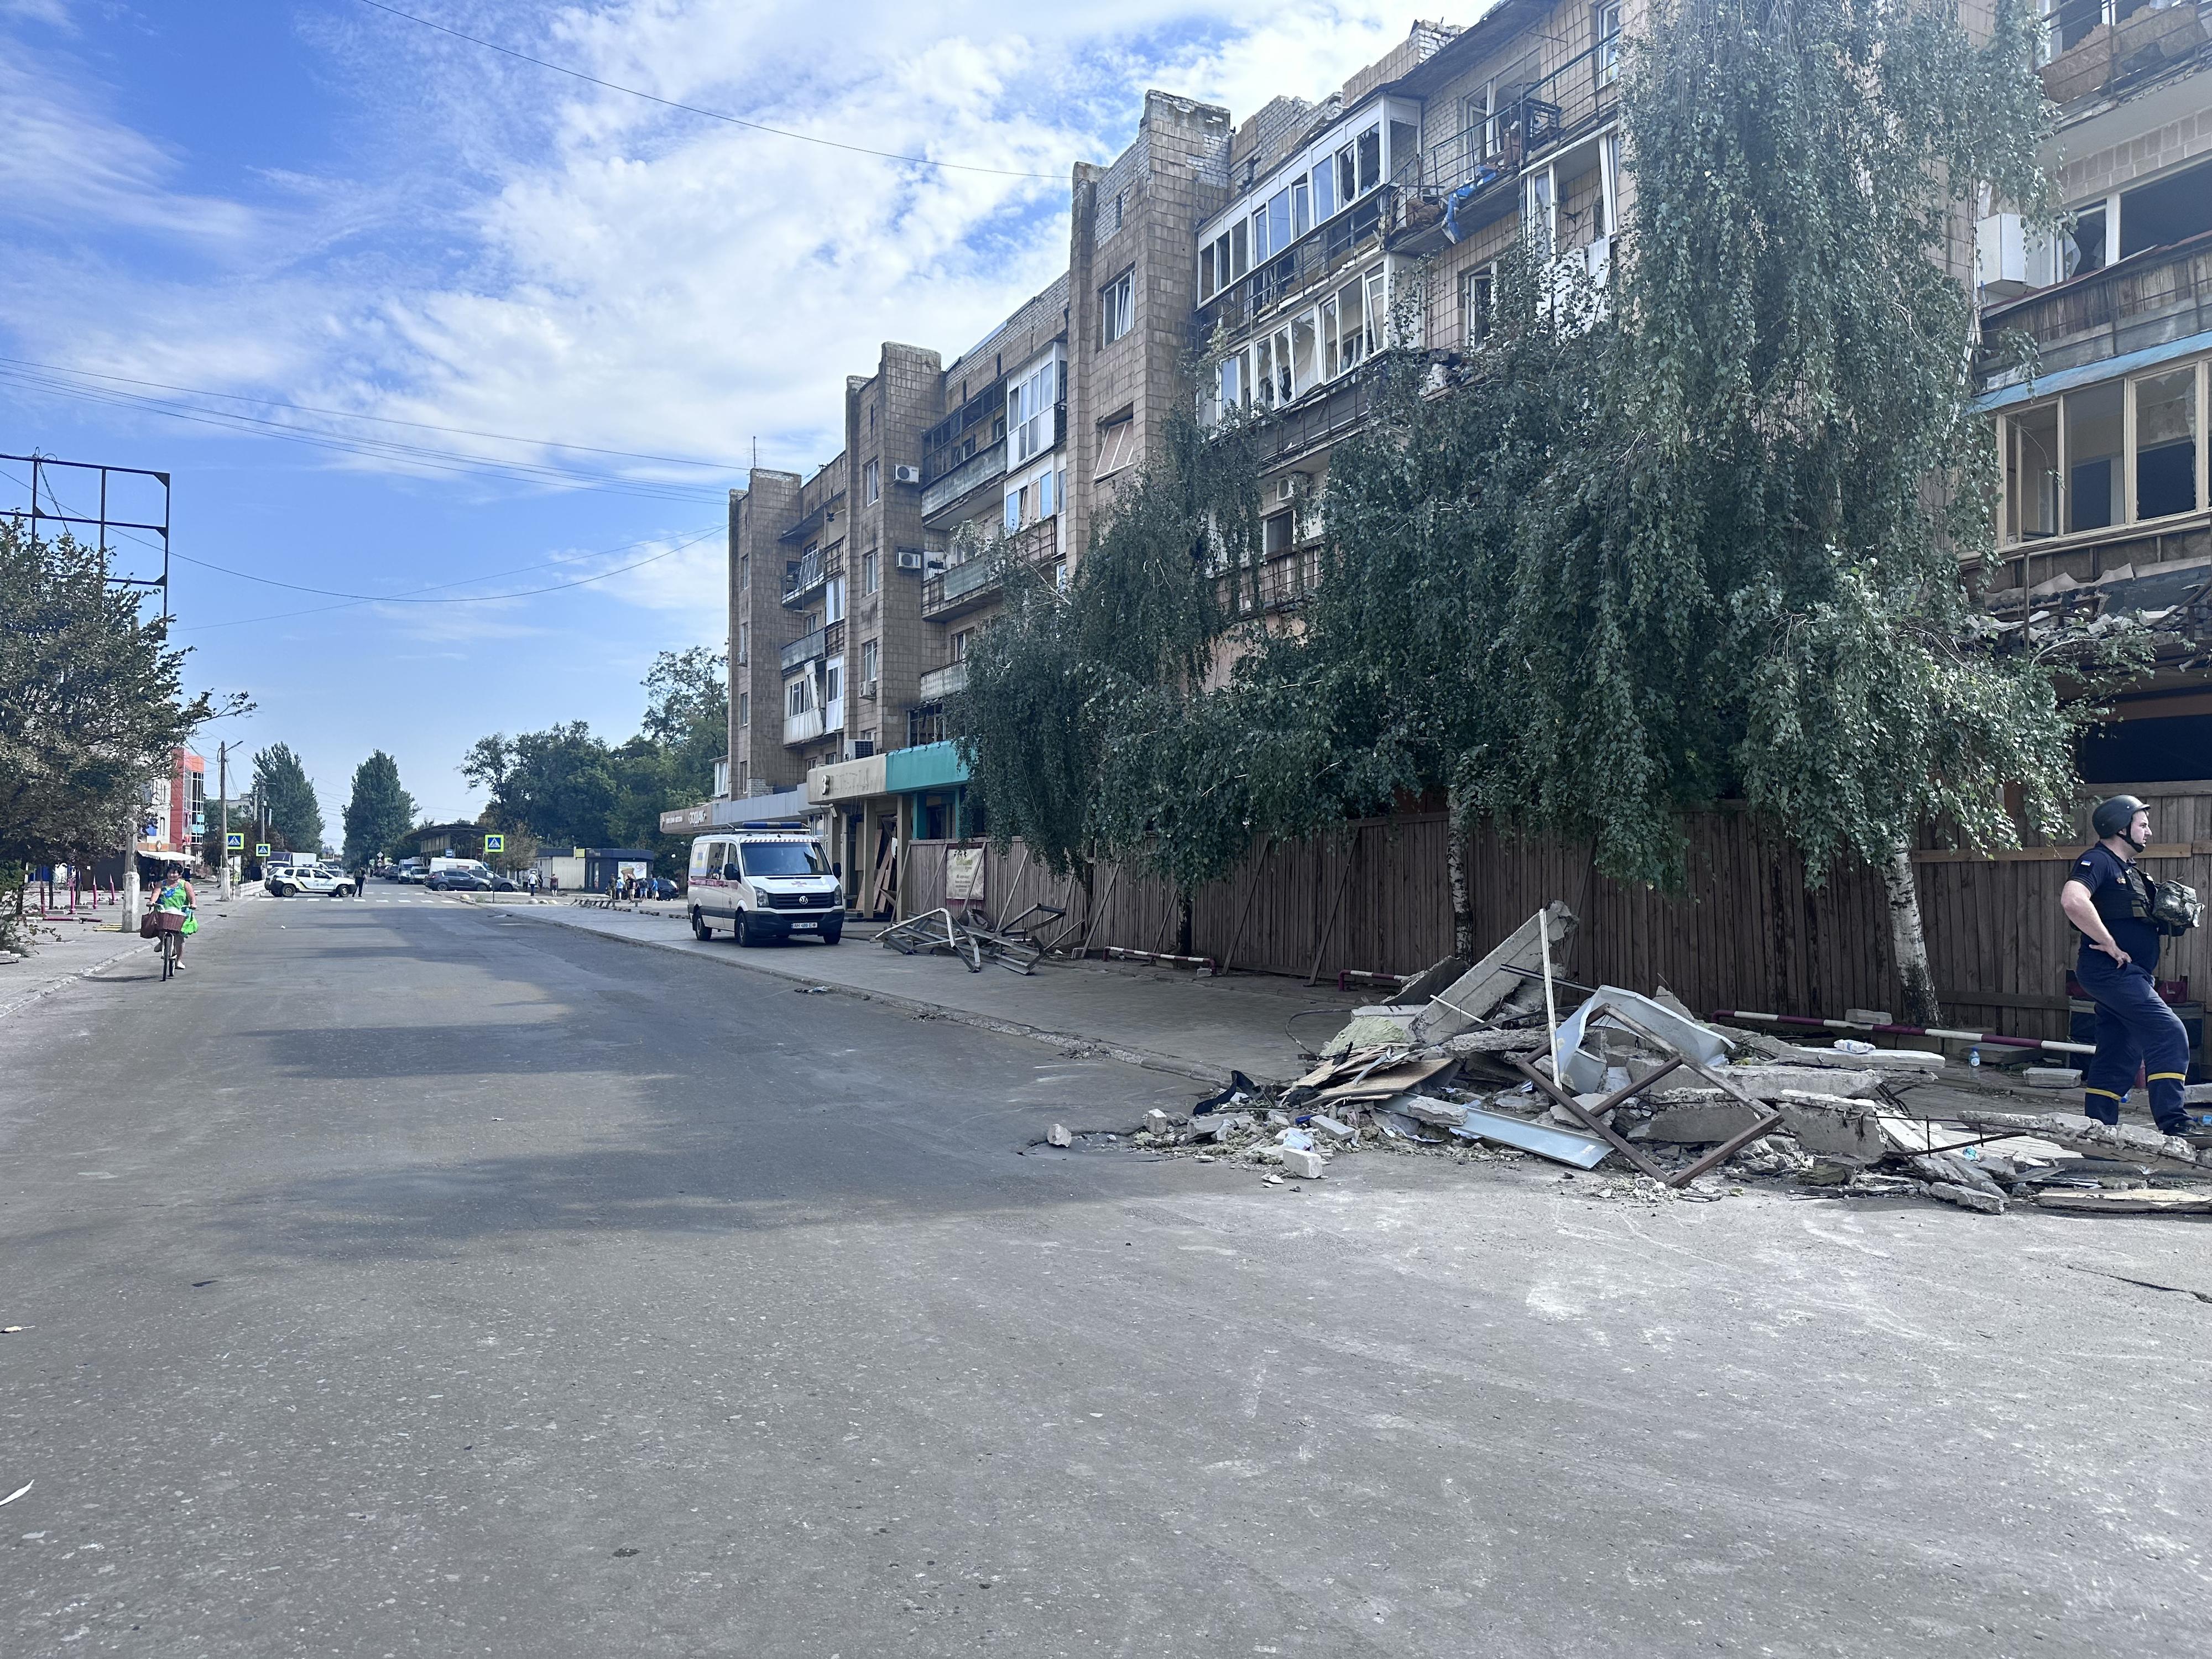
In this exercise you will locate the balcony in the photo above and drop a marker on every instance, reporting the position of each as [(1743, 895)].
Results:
[(1314, 423), (804, 576), (1310, 260), (1475, 175), (973, 473), (829, 637), (816, 722), (964, 587), (2160, 294), (2111, 61), (939, 683)]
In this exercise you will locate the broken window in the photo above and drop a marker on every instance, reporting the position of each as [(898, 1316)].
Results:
[(1277, 534), (1304, 368), (1206, 272), (1116, 443), (1301, 209), (1324, 191), (1474, 295), (1285, 384), (1606, 31), (2165, 444), (1370, 146), (1347, 177), (2167, 211), (1012, 518), (1378, 310), (1118, 307), (1045, 508), (868, 577), (959, 644), (1351, 315), (1331, 364), (869, 648), (1263, 372), (2086, 244), (1279, 221), (2093, 458)]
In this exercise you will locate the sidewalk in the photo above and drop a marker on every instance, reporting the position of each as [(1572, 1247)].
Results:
[(76, 949), (1170, 1020)]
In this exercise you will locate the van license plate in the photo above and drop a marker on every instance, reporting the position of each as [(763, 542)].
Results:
[(802, 927)]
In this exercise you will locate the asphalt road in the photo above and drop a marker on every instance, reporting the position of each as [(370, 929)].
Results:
[(410, 1280)]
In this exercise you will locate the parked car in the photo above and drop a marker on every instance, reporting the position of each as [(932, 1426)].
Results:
[(506, 884), (459, 881), (660, 887), (762, 886), (291, 880)]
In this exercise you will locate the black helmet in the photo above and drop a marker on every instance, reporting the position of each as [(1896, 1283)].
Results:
[(2114, 816)]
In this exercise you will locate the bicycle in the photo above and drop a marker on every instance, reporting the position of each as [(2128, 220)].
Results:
[(173, 946)]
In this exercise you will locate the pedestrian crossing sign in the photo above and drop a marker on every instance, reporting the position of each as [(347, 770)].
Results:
[(495, 843), (234, 842), (261, 850)]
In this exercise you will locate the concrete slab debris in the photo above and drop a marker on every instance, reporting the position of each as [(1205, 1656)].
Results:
[(1329, 1127), (1698, 1125), (2139, 1200), (1477, 995), (1967, 1198), (1304, 1162), (1058, 1136), (2053, 1077)]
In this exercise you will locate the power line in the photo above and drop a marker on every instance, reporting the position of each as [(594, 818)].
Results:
[(379, 598), (407, 598), (381, 419), (369, 448), (711, 114)]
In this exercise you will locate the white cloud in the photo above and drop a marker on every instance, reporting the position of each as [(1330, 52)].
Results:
[(527, 253)]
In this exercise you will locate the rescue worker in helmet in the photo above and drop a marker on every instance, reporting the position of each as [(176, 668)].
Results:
[(2105, 896)]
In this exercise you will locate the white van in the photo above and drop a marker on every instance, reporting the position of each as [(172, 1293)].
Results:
[(763, 886)]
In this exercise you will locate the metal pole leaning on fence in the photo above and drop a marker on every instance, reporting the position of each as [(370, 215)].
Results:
[(1996, 1038)]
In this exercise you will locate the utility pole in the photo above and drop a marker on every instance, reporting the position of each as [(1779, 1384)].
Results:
[(223, 801)]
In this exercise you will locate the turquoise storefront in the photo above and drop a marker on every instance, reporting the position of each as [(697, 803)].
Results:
[(932, 786)]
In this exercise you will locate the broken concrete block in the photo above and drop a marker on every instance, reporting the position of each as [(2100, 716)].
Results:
[(1967, 1198), (1768, 1082), (1958, 1171), (1298, 1140), (1058, 1136), (1868, 1016), (1698, 1126), (2053, 1077), (1301, 1162), (1833, 1126), (1329, 1127), (1157, 1123), (1416, 991), (1423, 1109)]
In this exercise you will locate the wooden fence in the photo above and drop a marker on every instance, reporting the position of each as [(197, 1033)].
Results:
[(1749, 931)]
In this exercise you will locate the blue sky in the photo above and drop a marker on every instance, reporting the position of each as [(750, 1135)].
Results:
[(318, 205)]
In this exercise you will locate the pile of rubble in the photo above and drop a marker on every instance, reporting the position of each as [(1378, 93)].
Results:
[(1467, 1063)]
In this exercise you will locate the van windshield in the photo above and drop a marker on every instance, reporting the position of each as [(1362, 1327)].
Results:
[(784, 858)]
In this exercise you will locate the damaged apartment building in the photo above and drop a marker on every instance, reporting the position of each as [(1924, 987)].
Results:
[(1262, 264), (2099, 424)]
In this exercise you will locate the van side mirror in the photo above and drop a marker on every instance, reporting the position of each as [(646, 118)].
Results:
[(730, 872)]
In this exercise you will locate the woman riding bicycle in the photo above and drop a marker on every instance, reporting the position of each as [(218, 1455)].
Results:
[(176, 894)]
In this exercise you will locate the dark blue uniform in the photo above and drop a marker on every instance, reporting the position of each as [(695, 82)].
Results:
[(2135, 1028)]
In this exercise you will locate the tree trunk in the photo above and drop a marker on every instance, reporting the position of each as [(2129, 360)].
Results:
[(1908, 943), (1456, 868), (1182, 923)]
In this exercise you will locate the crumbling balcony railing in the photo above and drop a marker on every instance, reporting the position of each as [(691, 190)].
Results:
[(2152, 297), (1574, 99), (2093, 60)]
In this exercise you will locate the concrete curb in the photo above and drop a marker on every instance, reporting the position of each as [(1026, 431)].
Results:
[(1129, 1056), (46, 988)]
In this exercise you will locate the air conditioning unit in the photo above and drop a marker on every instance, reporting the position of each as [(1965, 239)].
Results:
[(906, 475), (868, 689), (863, 747), (2010, 259), (909, 558)]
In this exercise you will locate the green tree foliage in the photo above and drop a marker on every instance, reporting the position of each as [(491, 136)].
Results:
[(379, 814), (566, 787), (1077, 702), (92, 701), (294, 812)]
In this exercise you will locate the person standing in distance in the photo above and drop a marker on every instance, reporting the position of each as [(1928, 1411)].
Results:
[(2107, 898)]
